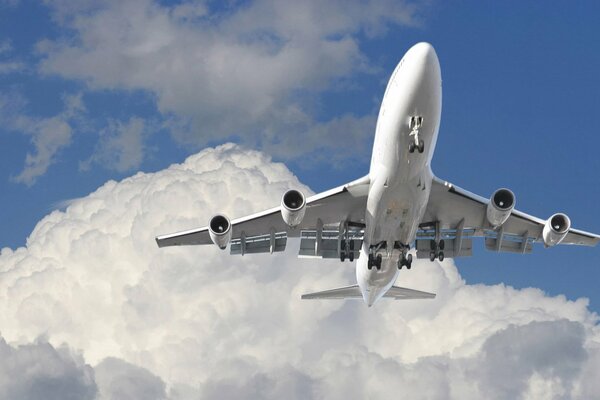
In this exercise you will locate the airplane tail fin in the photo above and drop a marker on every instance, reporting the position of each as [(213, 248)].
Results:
[(353, 292)]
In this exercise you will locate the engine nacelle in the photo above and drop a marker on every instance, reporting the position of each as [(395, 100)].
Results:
[(293, 208), (555, 229), (219, 229), (500, 206)]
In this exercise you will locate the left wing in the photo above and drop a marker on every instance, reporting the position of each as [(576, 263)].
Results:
[(462, 214), (344, 203)]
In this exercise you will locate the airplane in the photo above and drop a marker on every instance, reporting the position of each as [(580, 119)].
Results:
[(376, 219)]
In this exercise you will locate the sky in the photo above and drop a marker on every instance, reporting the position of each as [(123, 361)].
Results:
[(120, 120)]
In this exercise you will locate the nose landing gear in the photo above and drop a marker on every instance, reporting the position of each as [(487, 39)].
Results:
[(415, 124)]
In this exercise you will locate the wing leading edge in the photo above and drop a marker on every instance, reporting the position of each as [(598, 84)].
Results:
[(455, 208), (344, 203)]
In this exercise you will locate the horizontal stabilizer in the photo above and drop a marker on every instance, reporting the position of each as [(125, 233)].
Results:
[(353, 292), (348, 292), (400, 293)]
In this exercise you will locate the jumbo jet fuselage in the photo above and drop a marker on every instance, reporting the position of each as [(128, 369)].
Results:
[(400, 171), (399, 203)]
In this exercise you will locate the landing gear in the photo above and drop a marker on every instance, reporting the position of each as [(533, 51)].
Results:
[(347, 250), (405, 261), (374, 261), (437, 250), (415, 124)]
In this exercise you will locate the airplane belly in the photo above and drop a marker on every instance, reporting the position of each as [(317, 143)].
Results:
[(401, 179), (397, 214)]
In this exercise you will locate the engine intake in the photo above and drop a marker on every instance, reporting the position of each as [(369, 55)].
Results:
[(293, 205), (555, 229), (500, 206), (219, 229)]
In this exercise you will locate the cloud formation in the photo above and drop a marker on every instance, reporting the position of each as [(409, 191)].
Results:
[(252, 72), (185, 323), (121, 146), (49, 135)]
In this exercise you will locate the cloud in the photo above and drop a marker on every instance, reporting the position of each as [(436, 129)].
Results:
[(193, 322), (40, 371), (119, 380), (49, 135), (252, 72), (121, 146), (11, 65)]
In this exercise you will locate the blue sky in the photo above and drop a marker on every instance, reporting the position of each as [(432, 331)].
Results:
[(521, 97), (113, 116)]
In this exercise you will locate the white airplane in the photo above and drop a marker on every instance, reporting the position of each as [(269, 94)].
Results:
[(398, 204)]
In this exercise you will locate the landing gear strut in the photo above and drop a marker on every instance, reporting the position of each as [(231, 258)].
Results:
[(374, 258), (406, 259), (417, 143), (437, 250), (374, 261)]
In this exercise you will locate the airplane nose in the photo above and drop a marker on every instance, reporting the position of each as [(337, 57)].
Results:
[(424, 52)]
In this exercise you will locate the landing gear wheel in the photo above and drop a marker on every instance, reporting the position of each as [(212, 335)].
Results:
[(441, 256), (378, 262), (342, 256), (370, 262), (433, 245), (421, 146), (442, 244), (411, 147), (432, 256), (409, 261), (351, 252)]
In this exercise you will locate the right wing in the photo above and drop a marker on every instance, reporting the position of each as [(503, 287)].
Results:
[(344, 203), (463, 214)]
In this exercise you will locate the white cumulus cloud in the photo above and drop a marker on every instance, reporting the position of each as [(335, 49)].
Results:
[(193, 322)]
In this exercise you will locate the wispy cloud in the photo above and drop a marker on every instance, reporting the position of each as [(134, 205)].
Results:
[(249, 72), (121, 146), (48, 135)]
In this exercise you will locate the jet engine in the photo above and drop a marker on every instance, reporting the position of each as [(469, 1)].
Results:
[(219, 229), (500, 206), (293, 207), (555, 229)]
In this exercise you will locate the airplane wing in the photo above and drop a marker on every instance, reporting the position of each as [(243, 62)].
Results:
[(462, 214), (344, 203)]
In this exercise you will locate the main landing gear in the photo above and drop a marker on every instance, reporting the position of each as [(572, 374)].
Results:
[(347, 250), (437, 250), (405, 259), (374, 261), (374, 258), (415, 124)]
